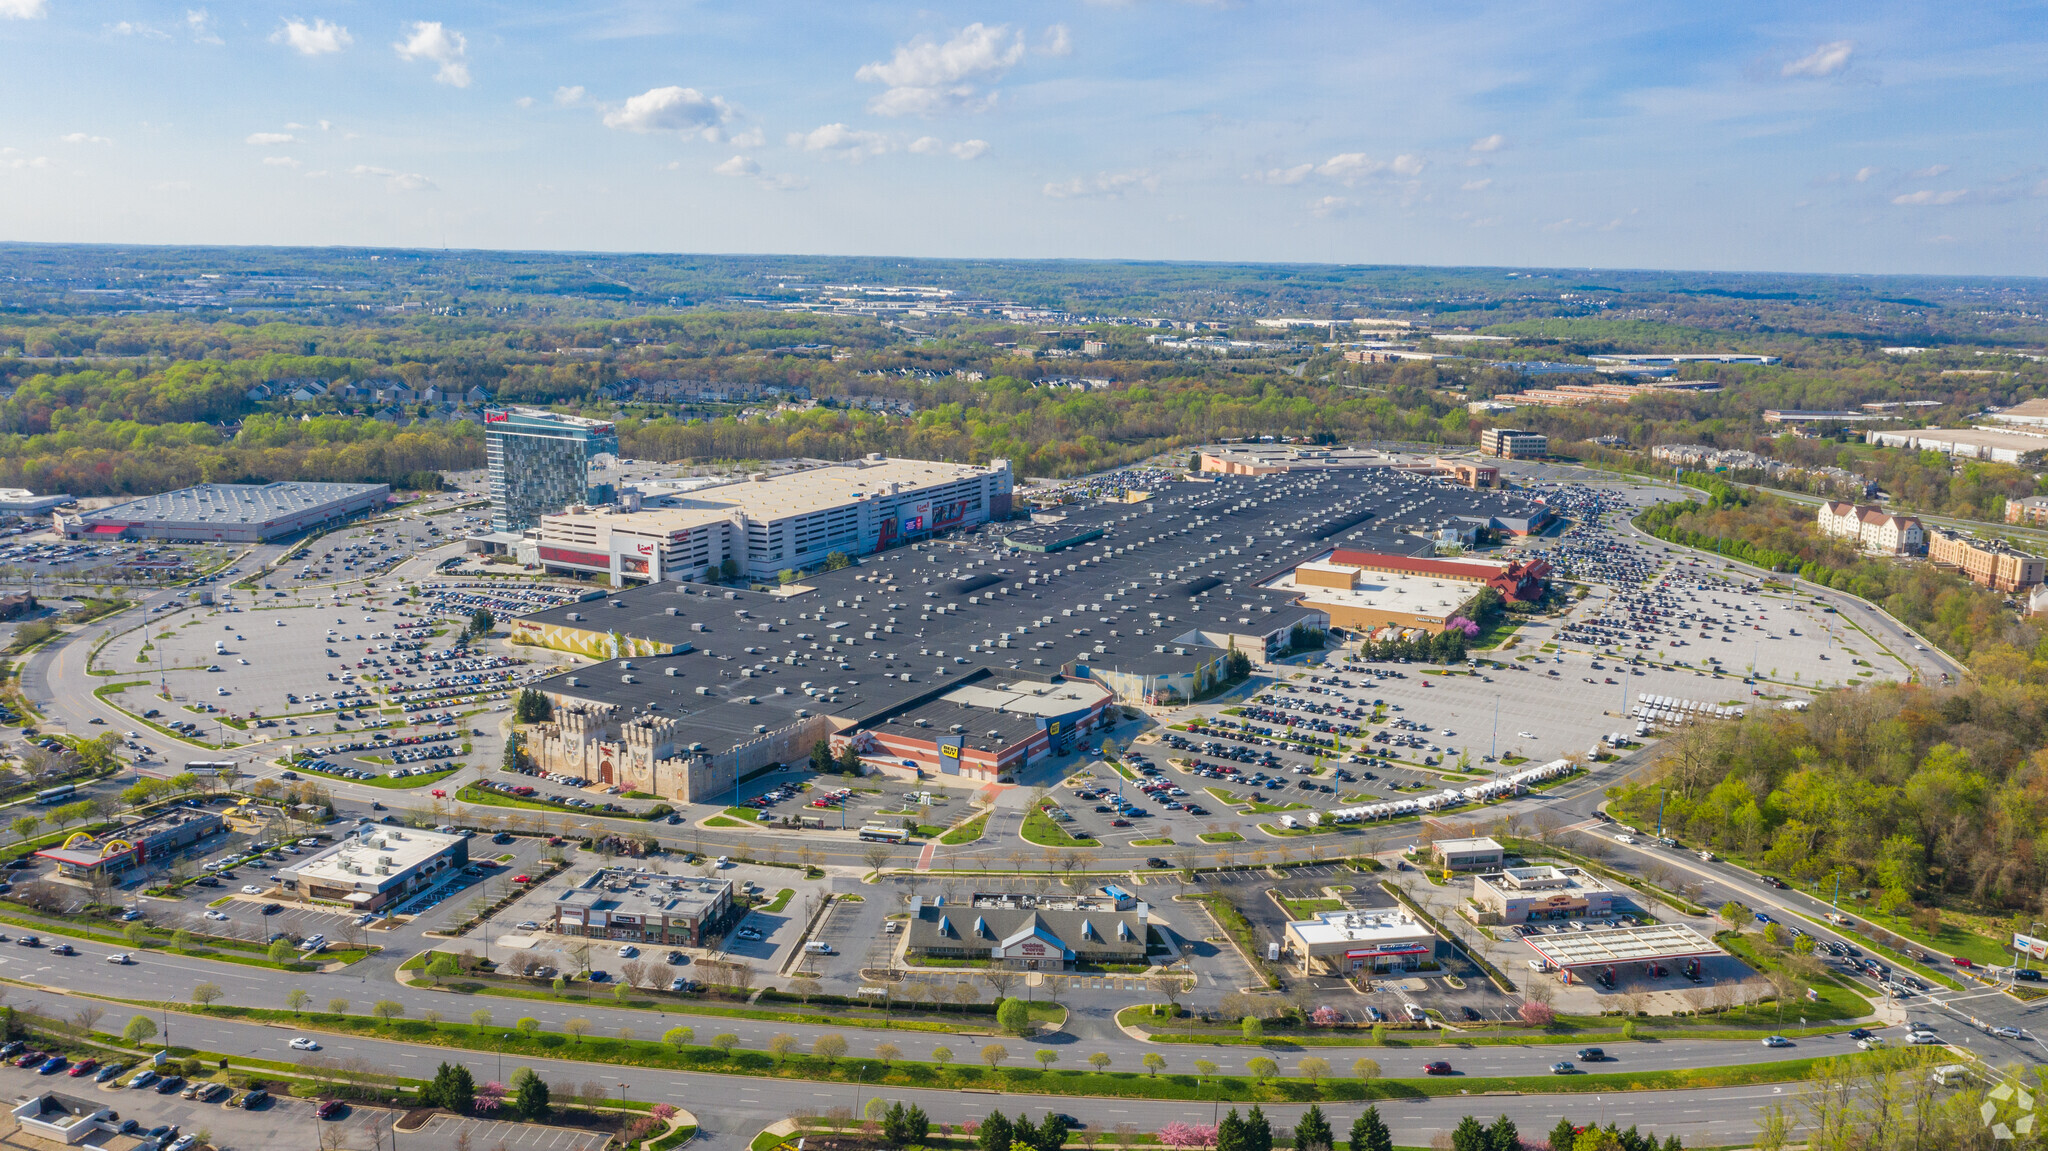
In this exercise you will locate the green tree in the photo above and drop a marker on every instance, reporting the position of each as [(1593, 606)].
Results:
[(532, 707), (1314, 1068), (1230, 1133), (1046, 1058), (1013, 1016), (1503, 1135), (994, 1134), (821, 757), (527, 1026), (452, 1088), (903, 1125), (1253, 1030), (140, 1030), (1736, 916), (1470, 1135), (829, 1047), (297, 998), (387, 1010), (206, 993), (281, 952), (724, 1042), (1262, 1067), (1099, 1061), (679, 1037), (481, 622), (1154, 1063), (1565, 1134), (529, 1094), (1313, 1130), (24, 826), (1258, 1134), (1369, 1132), (443, 967)]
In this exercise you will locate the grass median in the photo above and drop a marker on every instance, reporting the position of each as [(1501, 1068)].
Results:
[(1040, 829), (830, 1061)]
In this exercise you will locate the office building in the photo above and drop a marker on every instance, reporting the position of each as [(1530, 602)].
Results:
[(149, 843), (377, 866), (1872, 528), (1991, 563), (637, 907), (231, 513), (766, 525), (1510, 444), (540, 463)]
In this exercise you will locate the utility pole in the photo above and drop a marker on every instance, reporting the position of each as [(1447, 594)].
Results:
[(1660, 812)]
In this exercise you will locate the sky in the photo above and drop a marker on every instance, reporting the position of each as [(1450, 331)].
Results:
[(1825, 137)]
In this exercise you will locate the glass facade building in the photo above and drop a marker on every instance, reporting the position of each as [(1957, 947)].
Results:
[(540, 463)]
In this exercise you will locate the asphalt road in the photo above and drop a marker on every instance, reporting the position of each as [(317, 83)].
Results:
[(733, 1109)]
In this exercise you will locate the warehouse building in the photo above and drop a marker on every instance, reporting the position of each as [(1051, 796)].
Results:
[(151, 842), (1020, 932), (376, 866), (1343, 942), (636, 907), (230, 513), (766, 525)]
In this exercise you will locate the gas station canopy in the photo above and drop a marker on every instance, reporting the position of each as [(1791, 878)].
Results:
[(1649, 943)]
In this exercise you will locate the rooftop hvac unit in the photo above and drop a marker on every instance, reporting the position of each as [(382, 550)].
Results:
[(703, 690), (573, 681), (676, 671)]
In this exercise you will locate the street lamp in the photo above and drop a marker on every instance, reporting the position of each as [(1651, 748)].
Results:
[(858, 1084)]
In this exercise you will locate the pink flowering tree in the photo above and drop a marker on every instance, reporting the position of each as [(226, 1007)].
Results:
[(1537, 1014), (1460, 623), (1327, 1016), (1187, 1136), (490, 1097), (663, 1111)]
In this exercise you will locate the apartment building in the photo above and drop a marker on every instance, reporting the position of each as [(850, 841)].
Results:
[(1992, 563), (1874, 529), (2030, 510)]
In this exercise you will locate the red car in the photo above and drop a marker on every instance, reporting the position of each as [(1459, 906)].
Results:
[(521, 879), (30, 1059), (1959, 961), (1437, 1068), (83, 1067), (1119, 823), (328, 1109)]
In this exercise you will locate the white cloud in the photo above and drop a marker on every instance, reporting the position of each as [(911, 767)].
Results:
[(1406, 165), (294, 126), (15, 158), (23, 10), (1346, 164), (1931, 197), (1864, 174), (1105, 186), (266, 139), (933, 146), (83, 138), (280, 161), (431, 40), (927, 77), (751, 138), (1930, 172), (671, 109), (569, 94), (738, 166), (1294, 175), (1476, 185), (840, 140), (316, 39), (1825, 60), (396, 181), (746, 168), (1328, 206), (1493, 143), (1058, 41), (124, 28), (523, 102), (200, 24)]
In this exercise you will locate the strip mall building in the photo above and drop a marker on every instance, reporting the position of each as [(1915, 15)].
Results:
[(1367, 591)]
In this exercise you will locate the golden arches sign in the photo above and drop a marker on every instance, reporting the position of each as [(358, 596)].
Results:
[(78, 837), (110, 847)]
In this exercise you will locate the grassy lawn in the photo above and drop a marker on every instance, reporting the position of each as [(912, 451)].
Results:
[(1291, 832), (1041, 830), (780, 901), (1257, 808), (967, 832), (721, 821), (1838, 999), (1304, 908), (1151, 843), (1221, 837), (474, 794)]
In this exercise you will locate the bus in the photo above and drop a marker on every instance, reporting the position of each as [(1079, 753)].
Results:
[(58, 794), (884, 834), (209, 766)]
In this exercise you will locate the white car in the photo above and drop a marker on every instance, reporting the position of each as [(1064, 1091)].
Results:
[(1871, 1044), (1624, 839), (121, 957), (1781, 1041), (529, 925), (1526, 734), (2007, 1032), (1923, 1038), (251, 889), (301, 1043), (220, 916)]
